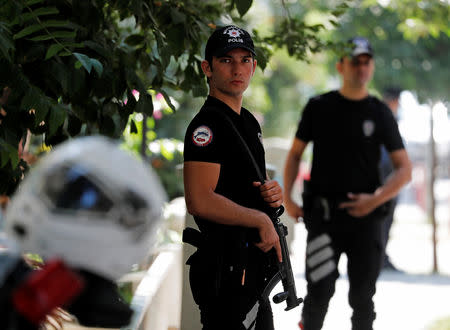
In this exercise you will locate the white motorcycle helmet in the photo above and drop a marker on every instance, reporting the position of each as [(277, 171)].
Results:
[(91, 204)]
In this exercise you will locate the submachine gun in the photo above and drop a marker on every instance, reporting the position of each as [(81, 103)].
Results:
[(284, 273)]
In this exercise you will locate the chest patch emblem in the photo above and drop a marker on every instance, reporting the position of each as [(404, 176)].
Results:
[(202, 136), (368, 127)]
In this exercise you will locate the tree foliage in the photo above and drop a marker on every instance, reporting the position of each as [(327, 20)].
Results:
[(418, 18), (69, 68), (418, 65)]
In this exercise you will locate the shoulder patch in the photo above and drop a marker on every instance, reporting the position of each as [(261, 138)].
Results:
[(202, 136)]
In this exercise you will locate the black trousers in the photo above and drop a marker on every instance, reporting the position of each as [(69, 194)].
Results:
[(225, 303), (226, 315), (360, 240), (387, 223)]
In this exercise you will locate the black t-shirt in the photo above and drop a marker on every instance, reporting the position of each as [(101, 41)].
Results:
[(347, 136), (209, 138)]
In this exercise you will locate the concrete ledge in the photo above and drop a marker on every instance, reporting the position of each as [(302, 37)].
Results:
[(156, 301)]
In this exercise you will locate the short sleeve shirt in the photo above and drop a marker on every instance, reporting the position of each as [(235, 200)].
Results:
[(209, 138), (347, 136)]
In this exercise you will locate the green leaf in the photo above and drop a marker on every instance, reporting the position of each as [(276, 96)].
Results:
[(334, 23), (56, 118), (84, 60), (97, 48), (98, 67), (168, 101), (200, 89), (8, 152), (177, 16), (33, 2), (14, 158), (30, 100), (4, 157), (177, 37), (56, 23), (73, 44), (39, 26), (53, 50), (262, 58), (89, 63), (54, 35), (42, 109), (6, 43), (27, 31), (45, 11), (68, 53), (243, 6), (35, 13), (61, 73)]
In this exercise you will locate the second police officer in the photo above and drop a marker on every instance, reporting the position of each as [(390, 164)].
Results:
[(343, 201)]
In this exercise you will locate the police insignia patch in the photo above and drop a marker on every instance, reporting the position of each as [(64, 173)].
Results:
[(202, 136), (368, 127)]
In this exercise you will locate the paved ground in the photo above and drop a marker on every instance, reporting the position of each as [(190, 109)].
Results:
[(412, 300)]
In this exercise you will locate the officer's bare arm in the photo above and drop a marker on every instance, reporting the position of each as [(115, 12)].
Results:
[(399, 177), (200, 180), (290, 174)]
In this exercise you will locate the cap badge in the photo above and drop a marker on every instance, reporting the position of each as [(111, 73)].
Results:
[(234, 34), (360, 43), (233, 31), (202, 136)]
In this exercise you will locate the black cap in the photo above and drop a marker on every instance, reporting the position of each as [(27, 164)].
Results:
[(361, 46), (227, 38)]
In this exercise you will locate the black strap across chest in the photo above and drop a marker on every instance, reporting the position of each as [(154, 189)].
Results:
[(244, 145)]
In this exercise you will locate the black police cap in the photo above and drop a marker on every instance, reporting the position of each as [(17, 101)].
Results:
[(361, 46), (227, 38)]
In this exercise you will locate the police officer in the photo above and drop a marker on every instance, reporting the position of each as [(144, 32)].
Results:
[(229, 205), (343, 201)]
